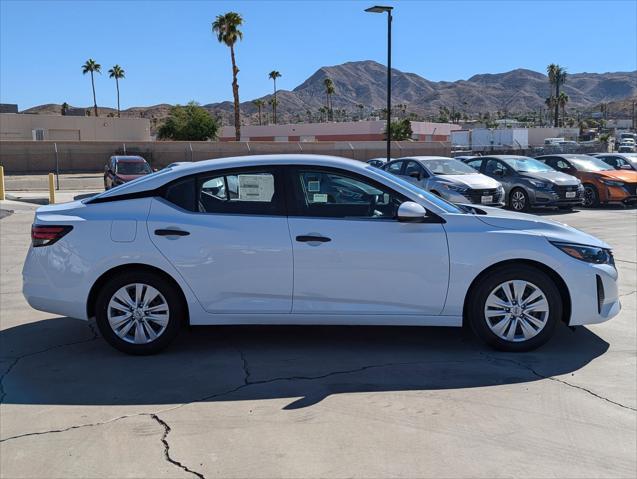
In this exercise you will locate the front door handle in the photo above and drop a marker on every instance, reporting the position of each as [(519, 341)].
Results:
[(312, 239), (168, 232)]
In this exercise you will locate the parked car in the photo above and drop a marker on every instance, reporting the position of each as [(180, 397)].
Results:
[(297, 240), (626, 147), (619, 161), (529, 183), (449, 178), (377, 162), (121, 169), (602, 183)]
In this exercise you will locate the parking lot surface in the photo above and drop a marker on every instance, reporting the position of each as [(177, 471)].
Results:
[(238, 402)]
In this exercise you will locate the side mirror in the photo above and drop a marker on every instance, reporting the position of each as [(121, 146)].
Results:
[(625, 167), (415, 174), (498, 173), (411, 212)]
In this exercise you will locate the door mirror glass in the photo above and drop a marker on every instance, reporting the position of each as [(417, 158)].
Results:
[(498, 173), (415, 174), (411, 212), (625, 167)]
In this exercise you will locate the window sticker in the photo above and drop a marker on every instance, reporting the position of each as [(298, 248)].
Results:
[(319, 198), (313, 186), (256, 187)]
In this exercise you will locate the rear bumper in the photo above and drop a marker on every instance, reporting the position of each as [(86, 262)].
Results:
[(52, 295)]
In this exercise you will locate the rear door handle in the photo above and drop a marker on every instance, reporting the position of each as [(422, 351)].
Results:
[(168, 232), (312, 239)]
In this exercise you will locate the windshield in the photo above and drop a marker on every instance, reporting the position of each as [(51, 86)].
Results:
[(439, 202), (448, 167), (583, 163), (524, 164), (133, 168)]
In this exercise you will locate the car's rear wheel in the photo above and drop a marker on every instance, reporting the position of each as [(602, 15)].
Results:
[(519, 200), (591, 196), (139, 312), (515, 308)]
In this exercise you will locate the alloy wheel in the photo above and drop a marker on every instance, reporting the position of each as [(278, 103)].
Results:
[(518, 200), (138, 313), (516, 310), (589, 196)]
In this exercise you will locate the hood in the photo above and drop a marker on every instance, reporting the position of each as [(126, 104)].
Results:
[(472, 180), (555, 177), (629, 176), (551, 230)]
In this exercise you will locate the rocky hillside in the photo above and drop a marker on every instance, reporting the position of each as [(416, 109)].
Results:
[(363, 83)]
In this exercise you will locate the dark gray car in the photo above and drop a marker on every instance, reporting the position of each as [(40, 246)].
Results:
[(529, 183)]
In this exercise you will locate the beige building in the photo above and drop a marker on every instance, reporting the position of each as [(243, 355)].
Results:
[(333, 131), (20, 127)]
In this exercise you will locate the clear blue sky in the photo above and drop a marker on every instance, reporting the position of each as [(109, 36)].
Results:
[(170, 55)]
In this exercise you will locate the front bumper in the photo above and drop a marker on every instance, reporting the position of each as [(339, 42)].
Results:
[(474, 197), (594, 293), (556, 197)]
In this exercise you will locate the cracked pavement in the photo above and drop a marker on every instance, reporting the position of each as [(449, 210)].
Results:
[(317, 401)]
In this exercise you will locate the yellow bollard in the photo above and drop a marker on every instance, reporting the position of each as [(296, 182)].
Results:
[(51, 189), (2, 195)]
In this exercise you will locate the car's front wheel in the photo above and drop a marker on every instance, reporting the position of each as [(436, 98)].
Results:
[(519, 200), (139, 312), (515, 308), (591, 196)]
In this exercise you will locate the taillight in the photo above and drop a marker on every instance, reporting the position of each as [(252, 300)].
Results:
[(46, 235)]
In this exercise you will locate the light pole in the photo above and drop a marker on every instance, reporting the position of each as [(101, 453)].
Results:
[(385, 9)]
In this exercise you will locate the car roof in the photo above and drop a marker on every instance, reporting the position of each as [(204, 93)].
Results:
[(425, 158), (160, 178), (127, 158), (505, 157)]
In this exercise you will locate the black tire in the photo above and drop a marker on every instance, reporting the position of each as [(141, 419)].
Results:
[(519, 200), (479, 294), (591, 196), (173, 299)]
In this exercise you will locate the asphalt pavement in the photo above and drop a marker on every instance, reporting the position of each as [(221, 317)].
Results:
[(320, 402)]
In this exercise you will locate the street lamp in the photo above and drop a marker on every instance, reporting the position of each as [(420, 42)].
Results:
[(385, 9)]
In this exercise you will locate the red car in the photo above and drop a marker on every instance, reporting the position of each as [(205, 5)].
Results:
[(121, 169)]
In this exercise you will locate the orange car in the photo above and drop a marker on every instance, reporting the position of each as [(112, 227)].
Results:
[(602, 183)]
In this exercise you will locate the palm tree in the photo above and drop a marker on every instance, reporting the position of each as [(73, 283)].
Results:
[(91, 66), (274, 102), (557, 78), (550, 103), (329, 91), (562, 100), (116, 72), (259, 104), (321, 111), (273, 75), (227, 29), (361, 107)]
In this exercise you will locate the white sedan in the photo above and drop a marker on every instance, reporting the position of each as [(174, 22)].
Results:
[(300, 239)]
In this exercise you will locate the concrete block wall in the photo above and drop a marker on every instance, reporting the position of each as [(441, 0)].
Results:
[(39, 157)]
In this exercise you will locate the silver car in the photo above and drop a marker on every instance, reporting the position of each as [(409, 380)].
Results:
[(449, 178)]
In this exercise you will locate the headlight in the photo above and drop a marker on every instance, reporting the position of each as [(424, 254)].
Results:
[(541, 184), (612, 183), (589, 254), (454, 187)]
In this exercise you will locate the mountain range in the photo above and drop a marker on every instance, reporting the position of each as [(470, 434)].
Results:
[(364, 83)]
